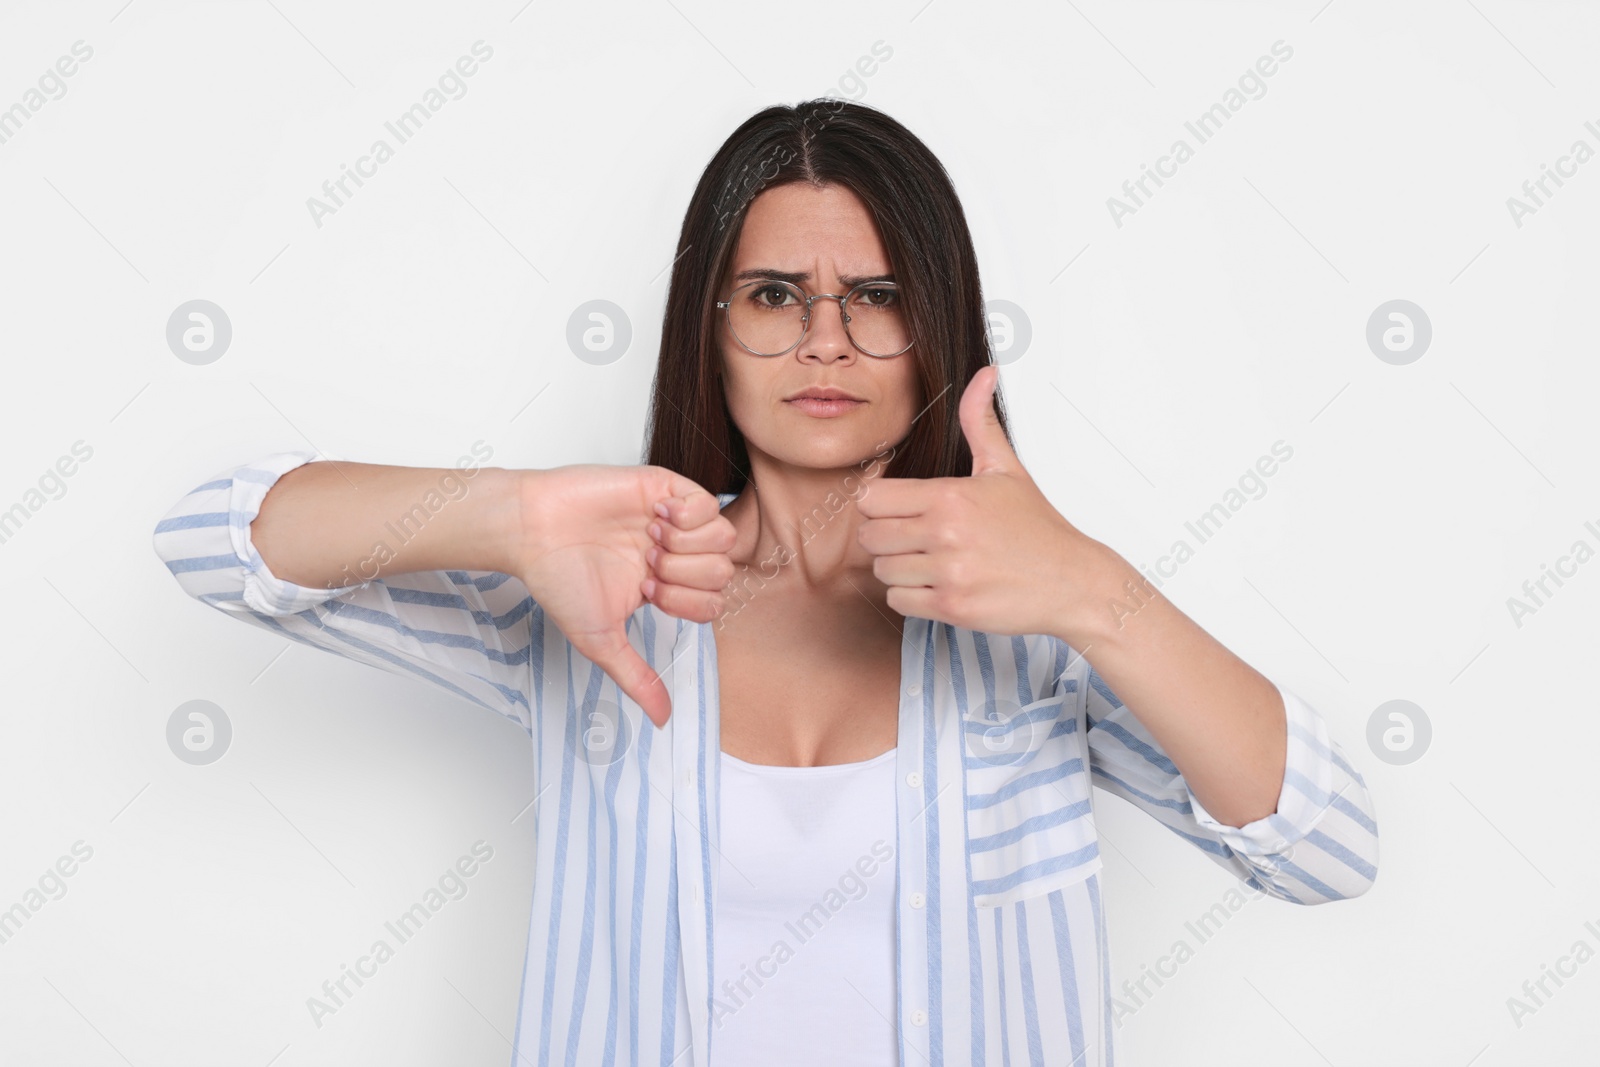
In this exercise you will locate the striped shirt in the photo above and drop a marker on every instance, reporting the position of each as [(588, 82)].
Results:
[(1000, 924)]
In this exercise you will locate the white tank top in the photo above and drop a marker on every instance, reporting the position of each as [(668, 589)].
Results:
[(804, 926)]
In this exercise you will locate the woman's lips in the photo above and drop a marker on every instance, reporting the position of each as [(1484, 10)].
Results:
[(824, 409)]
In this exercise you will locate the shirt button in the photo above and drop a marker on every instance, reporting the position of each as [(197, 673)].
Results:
[(918, 900), (914, 780), (695, 892), (919, 1018), (915, 690)]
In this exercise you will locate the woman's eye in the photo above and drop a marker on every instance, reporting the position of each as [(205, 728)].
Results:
[(879, 297), (771, 295)]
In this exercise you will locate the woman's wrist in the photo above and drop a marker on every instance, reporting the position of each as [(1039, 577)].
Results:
[(506, 515), (1106, 592)]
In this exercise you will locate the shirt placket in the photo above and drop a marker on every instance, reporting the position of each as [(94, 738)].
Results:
[(912, 795), (688, 724)]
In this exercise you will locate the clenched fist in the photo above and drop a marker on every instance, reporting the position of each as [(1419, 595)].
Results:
[(598, 541)]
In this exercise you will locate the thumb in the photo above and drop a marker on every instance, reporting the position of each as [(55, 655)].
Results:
[(610, 651), (981, 425)]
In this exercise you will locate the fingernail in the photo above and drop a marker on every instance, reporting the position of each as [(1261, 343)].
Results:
[(655, 531), (652, 555), (661, 509), (649, 588)]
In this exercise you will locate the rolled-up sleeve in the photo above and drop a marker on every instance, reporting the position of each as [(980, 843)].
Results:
[(205, 542), (1319, 845), (470, 633)]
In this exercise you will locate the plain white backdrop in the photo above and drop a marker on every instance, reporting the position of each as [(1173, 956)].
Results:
[(1170, 347)]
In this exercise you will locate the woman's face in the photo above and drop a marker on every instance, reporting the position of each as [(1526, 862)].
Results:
[(828, 237)]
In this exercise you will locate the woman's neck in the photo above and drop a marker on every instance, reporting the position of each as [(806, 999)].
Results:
[(799, 526)]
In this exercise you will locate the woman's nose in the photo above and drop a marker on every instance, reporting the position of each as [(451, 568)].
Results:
[(826, 337)]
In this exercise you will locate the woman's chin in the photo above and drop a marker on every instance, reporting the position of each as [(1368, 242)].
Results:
[(827, 456)]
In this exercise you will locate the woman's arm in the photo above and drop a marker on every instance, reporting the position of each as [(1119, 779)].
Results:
[(1218, 719), (1204, 742), (331, 525), (1320, 841), (462, 626), (449, 578)]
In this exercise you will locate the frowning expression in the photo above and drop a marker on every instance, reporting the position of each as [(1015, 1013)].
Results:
[(822, 240)]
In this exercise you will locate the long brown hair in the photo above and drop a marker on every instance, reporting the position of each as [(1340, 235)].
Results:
[(824, 141)]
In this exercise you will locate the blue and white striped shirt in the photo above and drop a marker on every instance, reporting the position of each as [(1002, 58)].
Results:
[(1000, 925)]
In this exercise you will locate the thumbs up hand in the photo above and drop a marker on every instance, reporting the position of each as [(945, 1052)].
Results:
[(987, 552)]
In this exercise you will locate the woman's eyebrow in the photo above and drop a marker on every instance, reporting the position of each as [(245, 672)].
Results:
[(849, 281)]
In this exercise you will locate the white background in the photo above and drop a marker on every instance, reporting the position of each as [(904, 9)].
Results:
[(1227, 313)]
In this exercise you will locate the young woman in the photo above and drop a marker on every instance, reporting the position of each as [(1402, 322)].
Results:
[(816, 696)]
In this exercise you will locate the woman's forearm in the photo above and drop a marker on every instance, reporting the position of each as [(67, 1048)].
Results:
[(1222, 722), (328, 525)]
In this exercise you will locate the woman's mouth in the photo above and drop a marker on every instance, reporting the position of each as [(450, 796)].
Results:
[(824, 409)]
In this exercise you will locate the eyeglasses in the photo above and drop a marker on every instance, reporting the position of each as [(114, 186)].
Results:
[(769, 317)]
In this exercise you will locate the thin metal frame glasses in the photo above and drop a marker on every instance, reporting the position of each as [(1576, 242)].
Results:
[(805, 316)]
